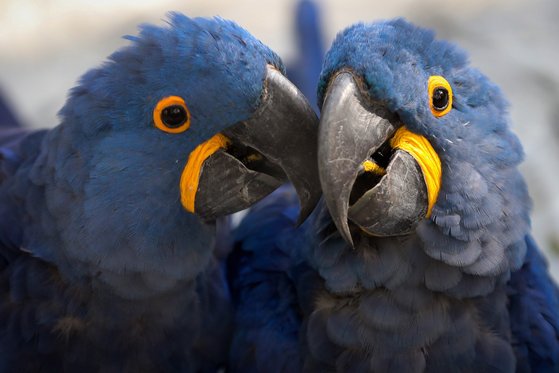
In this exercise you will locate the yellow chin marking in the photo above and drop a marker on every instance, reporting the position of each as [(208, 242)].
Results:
[(191, 174), (422, 151), (370, 166)]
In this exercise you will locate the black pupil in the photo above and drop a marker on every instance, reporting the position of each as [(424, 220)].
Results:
[(174, 116), (440, 98)]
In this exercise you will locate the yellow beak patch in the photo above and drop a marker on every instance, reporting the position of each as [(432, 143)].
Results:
[(427, 158), (190, 177)]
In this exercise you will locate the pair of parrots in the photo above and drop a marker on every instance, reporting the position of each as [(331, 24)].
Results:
[(417, 258)]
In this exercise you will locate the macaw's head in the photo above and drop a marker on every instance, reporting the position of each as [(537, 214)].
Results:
[(200, 111), (192, 121), (412, 139)]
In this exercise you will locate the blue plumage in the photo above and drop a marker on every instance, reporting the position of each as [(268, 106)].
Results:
[(101, 266), (533, 307), (467, 289), (268, 315)]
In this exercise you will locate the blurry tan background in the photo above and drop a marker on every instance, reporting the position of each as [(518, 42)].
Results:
[(45, 45)]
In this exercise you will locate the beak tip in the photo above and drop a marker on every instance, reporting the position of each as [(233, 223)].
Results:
[(341, 221), (346, 234)]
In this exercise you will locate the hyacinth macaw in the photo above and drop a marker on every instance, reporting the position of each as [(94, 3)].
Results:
[(107, 221), (420, 257)]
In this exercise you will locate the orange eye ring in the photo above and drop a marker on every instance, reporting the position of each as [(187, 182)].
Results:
[(171, 115), (440, 95)]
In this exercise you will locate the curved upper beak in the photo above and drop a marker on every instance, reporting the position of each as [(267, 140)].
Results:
[(277, 144), (364, 179)]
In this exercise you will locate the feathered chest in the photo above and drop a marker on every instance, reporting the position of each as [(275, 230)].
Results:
[(52, 325), (387, 305)]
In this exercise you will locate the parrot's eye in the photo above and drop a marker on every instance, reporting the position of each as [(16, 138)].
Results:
[(440, 99), (171, 115), (440, 95)]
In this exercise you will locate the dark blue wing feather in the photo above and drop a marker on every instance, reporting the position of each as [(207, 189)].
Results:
[(262, 272), (31, 294), (11, 137), (11, 133), (534, 314)]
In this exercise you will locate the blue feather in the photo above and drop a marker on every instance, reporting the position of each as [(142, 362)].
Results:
[(534, 314), (260, 271)]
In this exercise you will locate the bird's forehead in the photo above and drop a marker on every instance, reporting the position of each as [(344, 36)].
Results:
[(395, 46), (217, 67), (206, 47)]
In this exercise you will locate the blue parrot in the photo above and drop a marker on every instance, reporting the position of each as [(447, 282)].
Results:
[(419, 258), (108, 220)]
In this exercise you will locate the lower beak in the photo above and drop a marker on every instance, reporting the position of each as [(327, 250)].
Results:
[(276, 145), (369, 175)]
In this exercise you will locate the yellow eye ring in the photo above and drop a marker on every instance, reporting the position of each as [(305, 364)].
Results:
[(171, 115), (440, 95)]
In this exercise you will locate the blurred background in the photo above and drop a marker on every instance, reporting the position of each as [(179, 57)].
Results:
[(45, 45)]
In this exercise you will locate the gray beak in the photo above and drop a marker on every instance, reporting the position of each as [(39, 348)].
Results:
[(353, 131), (277, 144)]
